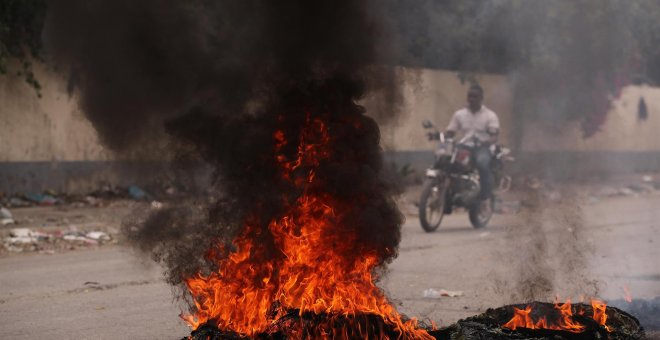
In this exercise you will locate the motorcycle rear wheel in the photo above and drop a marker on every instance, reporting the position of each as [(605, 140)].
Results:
[(480, 213), (432, 205)]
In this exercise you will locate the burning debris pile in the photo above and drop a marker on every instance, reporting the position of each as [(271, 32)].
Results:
[(543, 321), (535, 321), (318, 255)]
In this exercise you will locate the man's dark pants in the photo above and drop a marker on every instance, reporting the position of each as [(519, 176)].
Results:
[(482, 159)]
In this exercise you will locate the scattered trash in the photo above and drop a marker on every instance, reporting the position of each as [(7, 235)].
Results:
[(156, 205), (14, 249), (641, 188), (20, 232), (434, 294), (552, 196), (18, 202), (93, 201), (484, 234), (507, 207), (98, 236), (137, 193), (21, 236), (647, 179), (607, 192), (42, 199), (74, 236), (6, 217), (626, 192)]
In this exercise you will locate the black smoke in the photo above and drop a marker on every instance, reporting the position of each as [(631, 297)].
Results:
[(220, 77)]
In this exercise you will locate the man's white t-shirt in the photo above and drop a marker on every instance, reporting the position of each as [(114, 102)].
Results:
[(474, 124)]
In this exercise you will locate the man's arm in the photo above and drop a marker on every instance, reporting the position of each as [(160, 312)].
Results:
[(494, 133), (493, 128), (454, 125)]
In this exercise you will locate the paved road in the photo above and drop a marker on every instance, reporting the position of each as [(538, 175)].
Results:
[(111, 294)]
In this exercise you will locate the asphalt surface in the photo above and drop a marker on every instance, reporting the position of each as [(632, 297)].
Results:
[(110, 293)]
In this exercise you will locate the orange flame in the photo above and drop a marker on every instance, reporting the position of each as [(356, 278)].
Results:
[(522, 318), (600, 315), (626, 294), (310, 273)]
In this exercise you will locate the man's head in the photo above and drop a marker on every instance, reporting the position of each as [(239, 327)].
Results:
[(475, 97)]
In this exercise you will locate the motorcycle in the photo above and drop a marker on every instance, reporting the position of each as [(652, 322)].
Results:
[(453, 181)]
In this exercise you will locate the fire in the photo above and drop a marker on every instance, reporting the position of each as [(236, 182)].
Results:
[(522, 318), (626, 294), (600, 314), (309, 273)]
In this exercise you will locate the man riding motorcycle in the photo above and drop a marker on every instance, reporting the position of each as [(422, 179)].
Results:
[(478, 122)]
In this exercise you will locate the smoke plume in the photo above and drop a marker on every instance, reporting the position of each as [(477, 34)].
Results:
[(220, 77)]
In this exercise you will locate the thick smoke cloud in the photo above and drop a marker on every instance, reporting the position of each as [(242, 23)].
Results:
[(220, 77)]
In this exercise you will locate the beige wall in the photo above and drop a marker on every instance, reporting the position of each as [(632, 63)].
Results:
[(435, 95), (50, 128), (53, 128), (622, 131)]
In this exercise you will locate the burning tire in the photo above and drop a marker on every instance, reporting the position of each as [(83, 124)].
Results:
[(481, 213), (431, 206)]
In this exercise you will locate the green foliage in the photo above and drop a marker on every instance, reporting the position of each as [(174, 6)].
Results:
[(21, 23)]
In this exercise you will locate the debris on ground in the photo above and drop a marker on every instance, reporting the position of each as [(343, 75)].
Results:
[(552, 196), (137, 193), (95, 198), (98, 236), (626, 192), (18, 202), (607, 192), (507, 207), (6, 217), (434, 293), (42, 199), (28, 240), (642, 188), (21, 236)]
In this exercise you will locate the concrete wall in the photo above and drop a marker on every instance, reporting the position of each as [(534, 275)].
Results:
[(622, 131), (46, 143), (624, 144), (50, 128)]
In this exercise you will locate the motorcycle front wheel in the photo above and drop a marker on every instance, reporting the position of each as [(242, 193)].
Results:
[(480, 213), (432, 205)]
